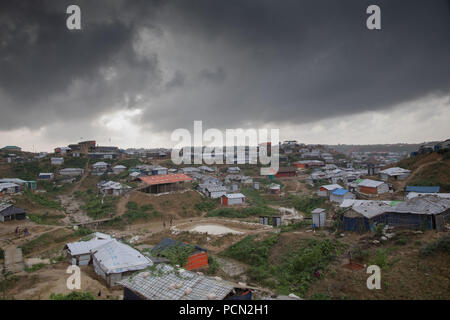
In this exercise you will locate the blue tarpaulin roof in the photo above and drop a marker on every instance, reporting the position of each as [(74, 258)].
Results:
[(423, 189), (340, 192)]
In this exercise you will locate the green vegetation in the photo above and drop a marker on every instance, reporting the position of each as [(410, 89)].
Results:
[(43, 200), (46, 239), (379, 227), (177, 255), (295, 270), (242, 212), (98, 207), (441, 245), (254, 253), (2, 254), (206, 205), (74, 162), (134, 213), (129, 163), (320, 296), (31, 170), (380, 258), (73, 296), (35, 267), (45, 218), (295, 226), (307, 204), (213, 265)]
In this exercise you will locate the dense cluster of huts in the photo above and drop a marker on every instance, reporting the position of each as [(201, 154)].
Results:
[(148, 275)]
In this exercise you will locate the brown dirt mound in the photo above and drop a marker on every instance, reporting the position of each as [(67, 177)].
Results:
[(177, 204)]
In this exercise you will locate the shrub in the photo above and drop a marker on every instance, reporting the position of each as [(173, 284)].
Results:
[(439, 245), (380, 258), (307, 204), (43, 200), (35, 267), (2, 254), (73, 296), (213, 265)]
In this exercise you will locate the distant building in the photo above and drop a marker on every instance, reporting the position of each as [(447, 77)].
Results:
[(11, 212), (339, 195), (73, 172), (46, 176), (372, 187), (232, 199), (119, 169), (286, 172), (396, 173), (12, 149), (57, 161), (164, 183)]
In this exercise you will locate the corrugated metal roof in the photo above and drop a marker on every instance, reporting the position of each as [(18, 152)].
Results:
[(395, 171), (234, 195), (85, 247), (166, 283), (165, 178), (429, 204), (116, 257), (411, 195), (370, 183)]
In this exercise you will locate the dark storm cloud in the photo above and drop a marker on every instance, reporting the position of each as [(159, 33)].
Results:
[(264, 61)]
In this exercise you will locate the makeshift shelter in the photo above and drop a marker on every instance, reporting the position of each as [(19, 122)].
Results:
[(114, 260), (164, 183), (72, 172), (425, 212), (319, 217), (113, 188), (286, 172), (119, 169), (363, 215), (396, 173), (9, 188), (214, 191), (274, 188), (10, 212), (325, 191), (46, 176), (339, 195), (232, 199), (372, 187), (80, 252), (168, 283)]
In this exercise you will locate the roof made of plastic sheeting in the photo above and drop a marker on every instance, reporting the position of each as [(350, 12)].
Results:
[(167, 283), (370, 183), (430, 204), (116, 257), (85, 247)]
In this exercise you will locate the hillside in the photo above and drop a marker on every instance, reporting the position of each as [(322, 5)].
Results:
[(429, 170)]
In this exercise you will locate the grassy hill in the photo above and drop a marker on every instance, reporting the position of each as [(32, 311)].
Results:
[(429, 170)]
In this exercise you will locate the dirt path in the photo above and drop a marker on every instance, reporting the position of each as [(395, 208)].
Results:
[(14, 259), (122, 204), (78, 184)]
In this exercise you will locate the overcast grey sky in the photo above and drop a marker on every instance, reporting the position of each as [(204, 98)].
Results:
[(139, 69)]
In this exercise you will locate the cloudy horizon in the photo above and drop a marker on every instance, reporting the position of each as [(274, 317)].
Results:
[(140, 69)]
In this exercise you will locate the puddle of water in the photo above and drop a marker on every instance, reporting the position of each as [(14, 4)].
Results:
[(214, 229)]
